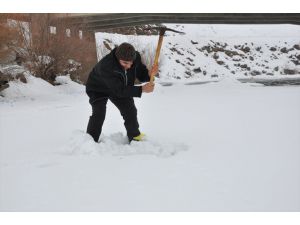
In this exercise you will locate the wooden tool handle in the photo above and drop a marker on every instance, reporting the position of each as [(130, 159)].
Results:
[(159, 44)]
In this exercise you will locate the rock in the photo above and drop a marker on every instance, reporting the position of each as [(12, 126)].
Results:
[(204, 72), (255, 72), (197, 70), (297, 47), (22, 78), (251, 58), (220, 62), (276, 68), (194, 42), (245, 49), (188, 73), (3, 86), (3, 82), (296, 62), (214, 76), (284, 50), (289, 72), (244, 66), (231, 53), (191, 60), (273, 49), (258, 49), (177, 61), (207, 48), (191, 53), (176, 50), (215, 56), (217, 49)]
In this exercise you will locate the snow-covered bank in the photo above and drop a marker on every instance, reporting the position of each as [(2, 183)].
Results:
[(38, 89), (212, 51)]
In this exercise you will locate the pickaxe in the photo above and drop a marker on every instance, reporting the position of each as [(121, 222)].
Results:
[(162, 31)]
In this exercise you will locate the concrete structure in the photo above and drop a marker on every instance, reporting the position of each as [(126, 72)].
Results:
[(89, 23), (98, 22)]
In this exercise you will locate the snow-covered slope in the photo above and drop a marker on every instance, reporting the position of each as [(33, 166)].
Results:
[(212, 51)]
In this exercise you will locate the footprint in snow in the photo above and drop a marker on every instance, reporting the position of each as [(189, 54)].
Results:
[(116, 144)]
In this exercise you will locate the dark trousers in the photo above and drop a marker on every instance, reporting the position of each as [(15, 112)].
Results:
[(127, 109)]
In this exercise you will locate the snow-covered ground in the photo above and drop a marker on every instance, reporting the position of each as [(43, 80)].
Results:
[(215, 147), (222, 146)]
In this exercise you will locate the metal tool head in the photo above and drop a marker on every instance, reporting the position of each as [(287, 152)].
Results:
[(162, 30)]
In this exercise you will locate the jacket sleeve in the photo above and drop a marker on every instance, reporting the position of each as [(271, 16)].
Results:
[(142, 72), (116, 86)]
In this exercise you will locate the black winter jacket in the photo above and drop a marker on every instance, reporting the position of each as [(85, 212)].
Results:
[(109, 79)]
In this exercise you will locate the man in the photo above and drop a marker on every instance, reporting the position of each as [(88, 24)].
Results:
[(113, 78)]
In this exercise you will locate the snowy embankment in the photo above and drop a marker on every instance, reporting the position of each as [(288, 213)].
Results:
[(210, 52), (223, 146)]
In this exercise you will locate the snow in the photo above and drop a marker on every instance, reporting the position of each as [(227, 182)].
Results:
[(44, 59), (38, 89), (191, 56), (217, 146), (12, 70), (117, 145)]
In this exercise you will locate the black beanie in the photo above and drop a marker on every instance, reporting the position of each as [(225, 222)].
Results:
[(125, 52)]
